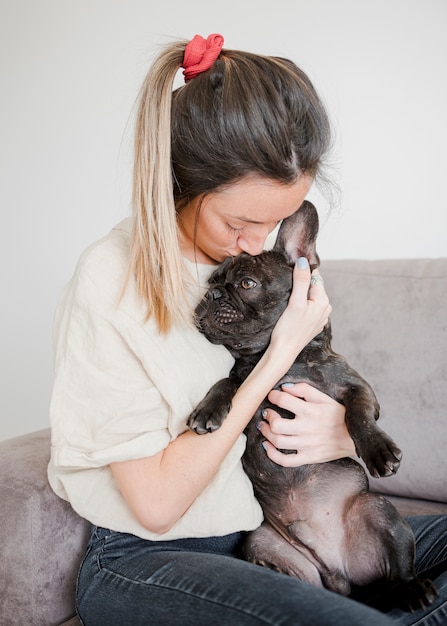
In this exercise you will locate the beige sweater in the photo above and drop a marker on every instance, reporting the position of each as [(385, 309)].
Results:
[(124, 391)]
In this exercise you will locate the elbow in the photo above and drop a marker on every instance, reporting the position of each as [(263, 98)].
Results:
[(158, 527), (157, 522), (146, 495)]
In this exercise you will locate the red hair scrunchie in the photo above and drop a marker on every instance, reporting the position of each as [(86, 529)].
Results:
[(200, 54)]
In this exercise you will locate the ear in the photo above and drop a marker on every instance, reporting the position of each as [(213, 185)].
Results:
[(298, 234)]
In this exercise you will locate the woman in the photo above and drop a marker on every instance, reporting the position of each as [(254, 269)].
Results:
[(218, 163)]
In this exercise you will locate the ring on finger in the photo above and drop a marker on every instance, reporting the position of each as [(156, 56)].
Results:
[(316, 279)]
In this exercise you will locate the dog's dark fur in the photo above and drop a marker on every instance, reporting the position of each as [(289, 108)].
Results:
[(321, 522)]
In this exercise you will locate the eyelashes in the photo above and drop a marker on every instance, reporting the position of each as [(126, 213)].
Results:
[(234, 230)]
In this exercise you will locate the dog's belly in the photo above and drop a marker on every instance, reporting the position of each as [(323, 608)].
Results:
[(312, 502), (308, 507), (318, 519), (322, 490)]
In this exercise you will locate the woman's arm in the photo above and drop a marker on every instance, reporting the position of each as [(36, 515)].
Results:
[(160, 488)]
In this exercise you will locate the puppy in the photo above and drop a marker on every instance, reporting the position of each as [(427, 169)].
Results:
[(321, 523)]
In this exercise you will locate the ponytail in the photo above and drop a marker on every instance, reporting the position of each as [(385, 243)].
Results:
[(155, 259)]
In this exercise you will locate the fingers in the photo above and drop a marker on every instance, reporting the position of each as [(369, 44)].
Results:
[(285, 460), (288, 451), (274, 426), (275, 442), (316, 280), (301, 281), (309, 286), (318, 433), (317, 293), (312, 408), (301, 399), (308, 294), (299, 457), (305, 391), (303, 277)]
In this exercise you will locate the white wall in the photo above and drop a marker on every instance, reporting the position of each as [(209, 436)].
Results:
[(70, 71)]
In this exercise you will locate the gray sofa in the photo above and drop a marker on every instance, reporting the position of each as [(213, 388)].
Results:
[(389, 318)]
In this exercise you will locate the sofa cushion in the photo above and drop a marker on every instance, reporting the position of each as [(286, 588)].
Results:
[(389, 319), (43, 538)]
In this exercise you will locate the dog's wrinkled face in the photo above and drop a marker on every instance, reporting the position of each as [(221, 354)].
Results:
[(246, 296)]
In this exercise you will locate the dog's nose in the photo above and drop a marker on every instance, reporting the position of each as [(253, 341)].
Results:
[(215, 294)]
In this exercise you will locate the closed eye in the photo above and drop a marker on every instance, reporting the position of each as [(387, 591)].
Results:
[(232, 229)]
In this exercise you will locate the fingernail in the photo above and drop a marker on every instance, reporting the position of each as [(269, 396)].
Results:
[(287, 384), (264, 445), (258, 425), (302, 263), (264, 413)]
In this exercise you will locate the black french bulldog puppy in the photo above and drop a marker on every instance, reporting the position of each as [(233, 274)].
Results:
[(321, 523)]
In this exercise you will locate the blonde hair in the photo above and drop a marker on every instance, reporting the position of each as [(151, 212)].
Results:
[(248, 114), (155, 259)]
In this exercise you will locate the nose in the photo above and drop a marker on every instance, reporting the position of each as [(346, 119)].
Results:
[(215, 294), (253, 244)]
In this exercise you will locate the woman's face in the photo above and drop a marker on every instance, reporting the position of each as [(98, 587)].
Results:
[(238, 218)]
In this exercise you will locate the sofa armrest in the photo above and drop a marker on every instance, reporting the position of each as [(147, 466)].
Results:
[(44, 539)]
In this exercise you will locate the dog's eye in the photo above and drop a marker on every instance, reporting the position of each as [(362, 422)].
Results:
[(248, 283)]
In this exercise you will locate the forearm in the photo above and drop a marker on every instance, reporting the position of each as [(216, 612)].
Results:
[(159, 489)]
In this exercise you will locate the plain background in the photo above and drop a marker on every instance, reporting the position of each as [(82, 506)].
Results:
[(70, 73)]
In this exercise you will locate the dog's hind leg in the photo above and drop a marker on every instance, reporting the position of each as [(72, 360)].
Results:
[(267, 547), (379, 556)]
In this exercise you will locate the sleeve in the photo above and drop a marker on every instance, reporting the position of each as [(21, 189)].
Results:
[(104, 406)]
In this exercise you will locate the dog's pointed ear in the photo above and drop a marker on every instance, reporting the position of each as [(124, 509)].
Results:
[(298, 234)]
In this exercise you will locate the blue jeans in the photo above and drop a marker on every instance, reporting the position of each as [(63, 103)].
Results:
[(128, 581)]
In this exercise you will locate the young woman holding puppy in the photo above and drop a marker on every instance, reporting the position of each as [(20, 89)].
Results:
[(219, 162)]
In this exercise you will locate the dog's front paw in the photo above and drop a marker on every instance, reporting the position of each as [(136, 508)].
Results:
[(381, 455), (206, 417), (214, 408)]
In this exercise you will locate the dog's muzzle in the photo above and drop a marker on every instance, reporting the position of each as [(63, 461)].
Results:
[(226, 313)]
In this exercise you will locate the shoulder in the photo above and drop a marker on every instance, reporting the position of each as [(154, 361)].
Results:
[(102, 267), (100, 273), (109, 255)]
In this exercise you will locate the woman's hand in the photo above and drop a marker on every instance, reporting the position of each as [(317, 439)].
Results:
[(318, 433), (305, 316)]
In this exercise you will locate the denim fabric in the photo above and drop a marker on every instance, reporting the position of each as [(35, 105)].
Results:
[(128, 581), (430, 532)]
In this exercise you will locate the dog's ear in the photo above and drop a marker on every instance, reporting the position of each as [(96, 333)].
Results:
[(298, 234)]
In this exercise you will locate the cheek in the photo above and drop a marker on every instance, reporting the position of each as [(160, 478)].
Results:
[(221, 236), (215, 241), (209, 229)]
